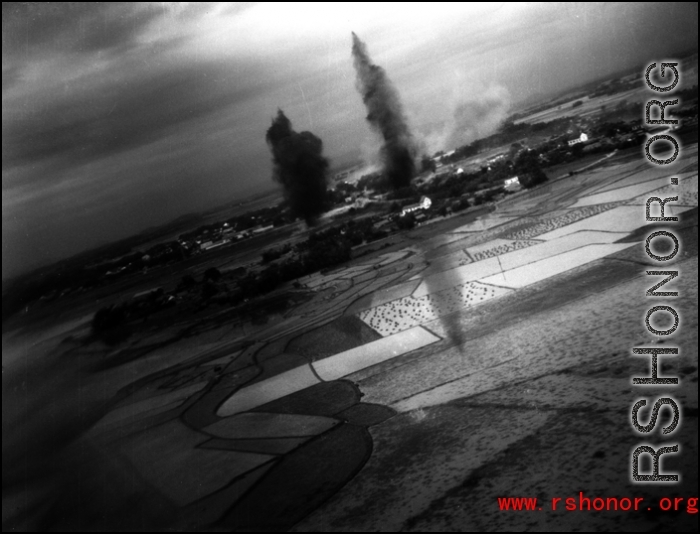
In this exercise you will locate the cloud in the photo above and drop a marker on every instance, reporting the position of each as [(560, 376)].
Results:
[(111, 116), (86, 27), (163, 106)]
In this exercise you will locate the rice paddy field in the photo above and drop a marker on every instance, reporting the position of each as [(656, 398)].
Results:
[(408, 389)]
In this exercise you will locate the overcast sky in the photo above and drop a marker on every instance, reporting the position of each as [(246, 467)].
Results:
[(117, 117)]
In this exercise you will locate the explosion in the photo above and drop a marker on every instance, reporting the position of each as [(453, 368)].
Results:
[(385, 115), (299, 166)]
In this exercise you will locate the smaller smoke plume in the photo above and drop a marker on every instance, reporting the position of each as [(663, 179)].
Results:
[(480, 117), (385, 115), (473, 115), (300, 167)]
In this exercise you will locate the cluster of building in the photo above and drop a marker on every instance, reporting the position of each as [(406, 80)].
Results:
[(227, 235)]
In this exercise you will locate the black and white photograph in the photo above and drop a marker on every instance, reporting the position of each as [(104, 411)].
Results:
[(349, 267)]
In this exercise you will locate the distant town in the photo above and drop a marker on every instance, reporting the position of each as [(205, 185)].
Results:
[(363, 211)]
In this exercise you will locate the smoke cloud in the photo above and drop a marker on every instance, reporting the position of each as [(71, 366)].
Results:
[(480, 117), (385, 115), (474, 114), (300, 167)]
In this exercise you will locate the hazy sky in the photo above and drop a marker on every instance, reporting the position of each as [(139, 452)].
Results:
[(117, 117)]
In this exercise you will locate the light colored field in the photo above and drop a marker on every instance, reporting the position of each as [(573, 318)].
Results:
[(686, 191), (547, 224), (401, 487), (408, 312), (483, 224), (472, 239), (577, 332), (599, 393), (270, 425), (384, 295), (449, 261), (548, 267), (444, 239), (391, 257), (553, 248), (617, 176), (621, 219), (330, 368), (498, 247), (518, 206), (372, 353), (386, 259), (268, 390), (511, 260), (457, 276), (489, 245), (622, 193)]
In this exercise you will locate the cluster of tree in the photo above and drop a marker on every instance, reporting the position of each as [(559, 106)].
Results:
[(347, 188), (339, 195), (406, 222), (684, 109), (455, 185), (459, 205), (323, 249), (58, 281), (113, 323), (410, 194), (528, 169), (612, 128), (160, 254), (427, 164), (508, 134), (375, 181), (321, 255), (275, 253), (48, 286), (110, 323)]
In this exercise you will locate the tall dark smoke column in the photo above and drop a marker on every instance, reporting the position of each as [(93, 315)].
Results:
[(299, 166), (385, 114)]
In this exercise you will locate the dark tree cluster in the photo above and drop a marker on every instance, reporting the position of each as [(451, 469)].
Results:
[(528, 169)]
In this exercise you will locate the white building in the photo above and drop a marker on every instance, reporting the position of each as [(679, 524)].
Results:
[(208, 245), (580, 139), (424, 204), (261, 229), (512, 184)]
